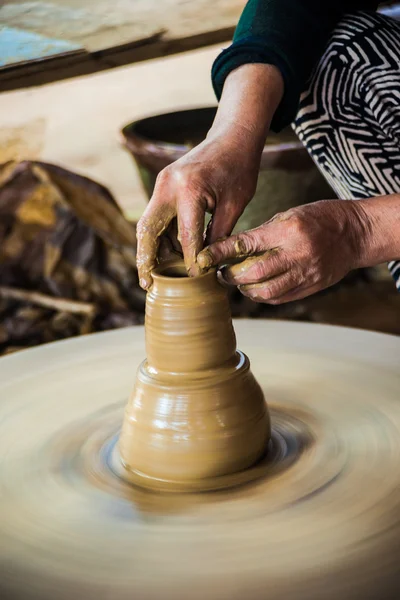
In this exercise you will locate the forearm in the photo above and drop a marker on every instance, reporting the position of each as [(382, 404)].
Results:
[(249, 100), (381, 217), (290, 34)]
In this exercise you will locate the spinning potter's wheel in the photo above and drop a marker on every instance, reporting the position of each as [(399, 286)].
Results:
[(322, 519)]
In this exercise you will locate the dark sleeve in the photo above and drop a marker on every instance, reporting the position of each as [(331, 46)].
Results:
[(290, 34)]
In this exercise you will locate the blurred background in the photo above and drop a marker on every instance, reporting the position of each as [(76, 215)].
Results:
[(67, 244)]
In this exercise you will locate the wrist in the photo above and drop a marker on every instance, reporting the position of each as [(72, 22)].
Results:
[(379, 226), (234, 138)]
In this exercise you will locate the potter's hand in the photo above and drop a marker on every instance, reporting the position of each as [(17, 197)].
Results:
[(216, 178), (295, 254), (219, 176)]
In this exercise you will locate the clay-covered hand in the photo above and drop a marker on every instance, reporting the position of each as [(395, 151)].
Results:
[(219, 176), (215, 177), (295, 254)]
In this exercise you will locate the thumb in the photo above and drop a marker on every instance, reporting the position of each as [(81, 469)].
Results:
[(236, 246)]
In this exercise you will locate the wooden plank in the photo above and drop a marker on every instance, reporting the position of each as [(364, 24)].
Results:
[(112, 33), (77, 63)]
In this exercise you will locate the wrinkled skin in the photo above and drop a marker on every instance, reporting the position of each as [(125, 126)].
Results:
[(215, 177), (219, 176), (295, 254)]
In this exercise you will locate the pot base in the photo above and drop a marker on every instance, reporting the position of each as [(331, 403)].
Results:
[(280, 452), (194, 433)]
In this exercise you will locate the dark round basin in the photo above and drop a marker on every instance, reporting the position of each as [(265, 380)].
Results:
[(288, 177)]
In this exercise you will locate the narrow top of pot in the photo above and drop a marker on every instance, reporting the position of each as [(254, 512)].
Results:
[(175, 269)]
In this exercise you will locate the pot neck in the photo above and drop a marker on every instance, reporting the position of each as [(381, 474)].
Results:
[(188, 321)]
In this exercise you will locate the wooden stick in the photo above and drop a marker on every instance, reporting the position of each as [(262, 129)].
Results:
[(60, 304)]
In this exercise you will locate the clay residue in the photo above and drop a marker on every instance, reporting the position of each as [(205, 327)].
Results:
[(196, 411)]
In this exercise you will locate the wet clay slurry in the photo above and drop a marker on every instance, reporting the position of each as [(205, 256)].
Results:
[(196, 411)]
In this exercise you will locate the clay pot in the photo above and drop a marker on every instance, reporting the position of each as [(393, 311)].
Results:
[(196, 411), (288, 177)]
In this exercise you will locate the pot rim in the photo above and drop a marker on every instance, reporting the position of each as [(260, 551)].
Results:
[(179, 265)]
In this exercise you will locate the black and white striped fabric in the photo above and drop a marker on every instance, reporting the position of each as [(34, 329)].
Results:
[(349, 119)]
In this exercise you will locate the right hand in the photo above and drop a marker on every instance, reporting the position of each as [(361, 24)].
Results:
[(219, 177)]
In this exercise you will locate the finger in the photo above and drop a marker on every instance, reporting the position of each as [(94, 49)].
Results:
[(222, 222), (268, 290), (153, 223), (296, 294), (171, 234), (235, 246), (256, 268), (166, 250), (191, 231), (169, 248)]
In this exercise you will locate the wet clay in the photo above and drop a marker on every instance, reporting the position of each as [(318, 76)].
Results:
[(321, 523), (196, 411)]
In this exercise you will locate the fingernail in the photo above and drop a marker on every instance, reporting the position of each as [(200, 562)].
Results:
[(247, 287), (144, 283), (204, 260), (194, 270), (240, 247), (238, 269)]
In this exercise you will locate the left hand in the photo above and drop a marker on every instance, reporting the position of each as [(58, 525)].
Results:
[(296, 253)]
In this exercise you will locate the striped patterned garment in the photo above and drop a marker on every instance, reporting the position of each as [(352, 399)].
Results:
[(349, 119)]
